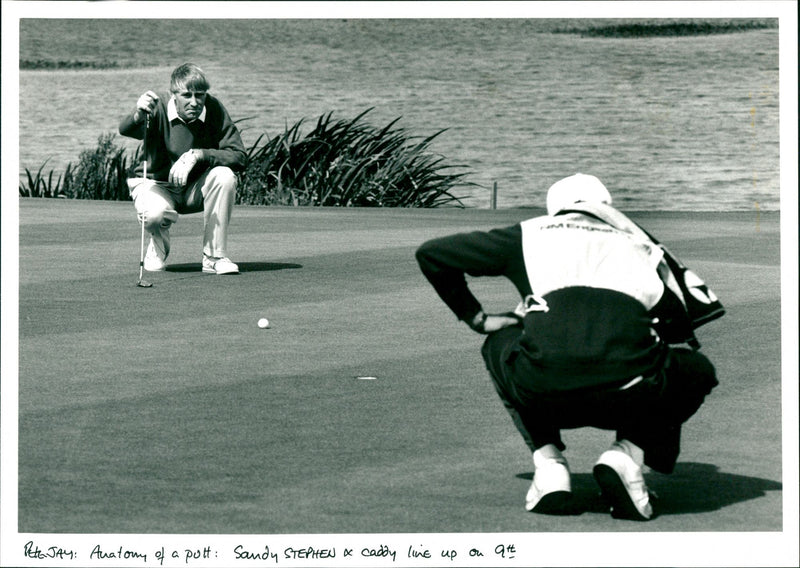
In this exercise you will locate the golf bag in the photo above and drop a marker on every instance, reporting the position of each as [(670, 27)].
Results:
[(695, 303)]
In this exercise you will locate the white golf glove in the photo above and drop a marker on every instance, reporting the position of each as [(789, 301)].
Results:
[(179, 173)]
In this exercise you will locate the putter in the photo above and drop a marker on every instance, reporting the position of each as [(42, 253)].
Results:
[(143, 283)]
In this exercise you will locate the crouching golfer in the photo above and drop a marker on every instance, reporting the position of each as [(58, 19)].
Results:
[(589, 343), (192, 148)]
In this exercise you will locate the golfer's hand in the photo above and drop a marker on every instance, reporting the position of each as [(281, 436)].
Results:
[(179, 173), (145, 105), (489, 323)]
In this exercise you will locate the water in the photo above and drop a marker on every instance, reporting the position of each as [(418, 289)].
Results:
[(669, 123)]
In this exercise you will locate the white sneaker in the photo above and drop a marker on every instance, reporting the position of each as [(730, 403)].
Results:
[(154, 261), (551, 490), (622, 484), (219, 265)]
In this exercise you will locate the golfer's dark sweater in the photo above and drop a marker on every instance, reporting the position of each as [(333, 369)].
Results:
[(589, 336), (167, 140)]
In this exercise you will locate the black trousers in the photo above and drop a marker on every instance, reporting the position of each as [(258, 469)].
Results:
[(649, 413)]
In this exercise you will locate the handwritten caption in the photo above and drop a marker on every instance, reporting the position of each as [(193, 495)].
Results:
[(261, 554)]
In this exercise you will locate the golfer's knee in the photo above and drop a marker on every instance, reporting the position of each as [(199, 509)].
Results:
[(224, 179), (156, 214), (155, 220)]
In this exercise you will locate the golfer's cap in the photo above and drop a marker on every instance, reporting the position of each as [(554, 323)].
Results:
[(574, 189)]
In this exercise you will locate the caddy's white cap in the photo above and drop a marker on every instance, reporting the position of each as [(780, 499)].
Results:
[(574, 189)]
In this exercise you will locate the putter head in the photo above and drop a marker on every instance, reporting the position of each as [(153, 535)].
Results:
[(144, 284)]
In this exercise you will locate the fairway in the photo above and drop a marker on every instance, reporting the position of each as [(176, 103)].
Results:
[(167, 410)]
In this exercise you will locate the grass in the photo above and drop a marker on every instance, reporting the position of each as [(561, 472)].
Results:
[(347, 163), (671, 29), (166, 410), (102, 172), (344, 163), (40, 186), (48, 64)]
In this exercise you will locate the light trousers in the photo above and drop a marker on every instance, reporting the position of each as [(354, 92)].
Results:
[(160, 203)]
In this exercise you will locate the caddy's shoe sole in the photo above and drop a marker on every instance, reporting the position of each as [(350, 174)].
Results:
[(550, 492), (556, 503), (617, 495)]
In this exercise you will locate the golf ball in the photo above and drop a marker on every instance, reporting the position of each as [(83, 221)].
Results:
[(263, 323)]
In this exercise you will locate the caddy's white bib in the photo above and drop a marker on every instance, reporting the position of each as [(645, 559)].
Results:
[(575, 250)]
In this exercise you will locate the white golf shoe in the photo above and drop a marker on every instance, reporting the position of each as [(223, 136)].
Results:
[(219, 265), (551, 490), (154, 260), (622, 484)]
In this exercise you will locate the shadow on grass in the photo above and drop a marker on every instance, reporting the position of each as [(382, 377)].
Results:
[(243, 266), (691, 488)]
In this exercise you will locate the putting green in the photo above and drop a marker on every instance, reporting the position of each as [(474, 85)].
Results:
[(167, 410)]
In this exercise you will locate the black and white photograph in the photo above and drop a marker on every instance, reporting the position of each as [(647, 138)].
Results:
[(399, 284)]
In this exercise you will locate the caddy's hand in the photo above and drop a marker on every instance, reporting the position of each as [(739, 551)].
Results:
[(145, 104), (179, 173), (489, 323), (496, 322)]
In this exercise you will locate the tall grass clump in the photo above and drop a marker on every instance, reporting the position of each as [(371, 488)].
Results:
[(343, 163), (348, 163), (102, 172), (39, 64), (671, 29), (40, 185)]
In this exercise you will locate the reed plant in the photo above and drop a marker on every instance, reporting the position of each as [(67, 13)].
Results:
[(102, 172), (40, 186), (348, 163), (39, 64), (671, 29), (343, 163)]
